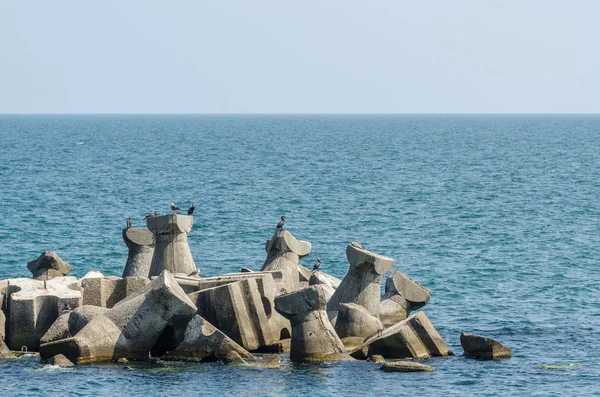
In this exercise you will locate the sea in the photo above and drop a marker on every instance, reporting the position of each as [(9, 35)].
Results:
[(497, 216)]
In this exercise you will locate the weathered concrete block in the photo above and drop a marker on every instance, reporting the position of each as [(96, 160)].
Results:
[(171, 248), (362, 284), (392, 309), (140, 242), (48, 265), (402, 295), (414, 337), (5, 351), (313, 336), (355, 320), (61, 361), (398, 283), (108, 291), (283, 254), (129, 329), (204, 342), (318, 277), (240, 311), (406, 366), (34, 305), (270, 284), (2, 316), (483, 348)]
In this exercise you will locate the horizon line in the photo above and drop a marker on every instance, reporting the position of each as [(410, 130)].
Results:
[(308, 114)]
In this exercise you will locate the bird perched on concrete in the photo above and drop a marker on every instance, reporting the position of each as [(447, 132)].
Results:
[(317, 265), (151, 215), (281, 223), (192, 208), (129, 222), (174, 207)]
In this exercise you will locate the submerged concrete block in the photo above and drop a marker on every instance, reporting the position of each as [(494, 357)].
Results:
[(283, 254), (406, 366), (402, 295), (355, 320), (240, 311), (48, 265), (34, 305), (483, 348), (204, 342), (414, 337), (140, 242), (171, 248), (313, 336), (129, 329), (108, 291), (362, 284)]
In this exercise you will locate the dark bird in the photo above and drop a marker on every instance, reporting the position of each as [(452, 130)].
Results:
[(192, 208), (129, 222), (281, 223), (151, 215), (174, 207), (317, 265)]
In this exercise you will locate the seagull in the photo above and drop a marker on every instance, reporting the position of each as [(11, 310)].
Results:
[(317, 264), (174, 207), (129, 221), (281, 223), (151, 215), (192, 208)]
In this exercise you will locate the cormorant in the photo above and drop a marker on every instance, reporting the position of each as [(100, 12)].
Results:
[(317, 265), (129, 221), (151, 215), (281, 223), (192, 208), (174, 207)]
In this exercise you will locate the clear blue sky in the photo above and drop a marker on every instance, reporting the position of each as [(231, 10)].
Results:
[(337, 56)]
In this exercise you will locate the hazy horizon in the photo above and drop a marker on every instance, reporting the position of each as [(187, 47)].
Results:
[(267, 57)]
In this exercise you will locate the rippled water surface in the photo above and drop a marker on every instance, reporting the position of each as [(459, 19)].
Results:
[(497, 216)]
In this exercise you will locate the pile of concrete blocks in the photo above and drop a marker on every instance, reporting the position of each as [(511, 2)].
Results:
[(127, 330)]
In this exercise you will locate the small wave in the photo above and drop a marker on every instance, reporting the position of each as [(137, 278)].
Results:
[(52, 368)]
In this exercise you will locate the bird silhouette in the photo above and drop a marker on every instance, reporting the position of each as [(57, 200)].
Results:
[(174, 207), (151, 215), (192, 208), (317, 264), (280, 224), (129, 222)]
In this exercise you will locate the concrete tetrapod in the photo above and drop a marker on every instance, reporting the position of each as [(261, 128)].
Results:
[(140, 242), (130, 329), (313, 336), (414, 337), (204, 342), (171, 249), (355, 320), (240, 310), (283, 254), (48, 265), (34, 305), (402, 295), (362, 284)]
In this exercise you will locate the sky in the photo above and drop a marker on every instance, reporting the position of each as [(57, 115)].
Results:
[(325, 56)]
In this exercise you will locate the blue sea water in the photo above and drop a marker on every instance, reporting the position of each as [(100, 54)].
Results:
[(497, 216)]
